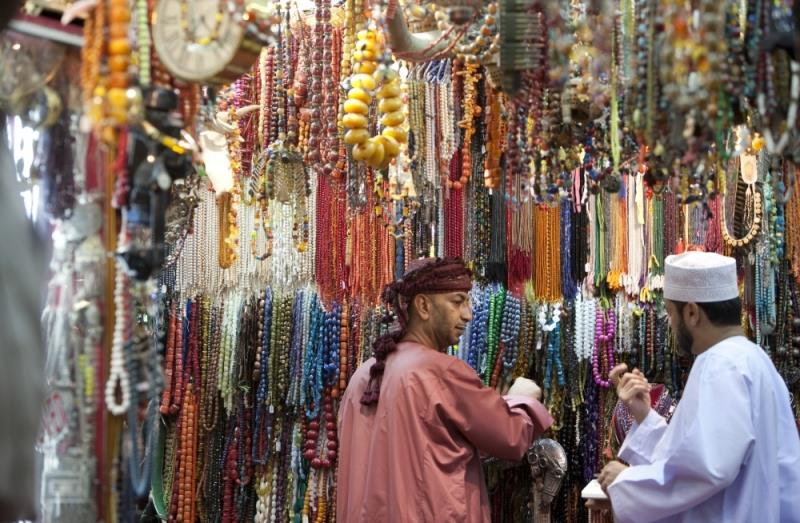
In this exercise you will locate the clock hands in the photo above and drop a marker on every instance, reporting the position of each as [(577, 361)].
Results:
[(204, 23)]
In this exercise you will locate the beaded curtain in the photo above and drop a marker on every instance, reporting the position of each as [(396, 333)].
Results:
[(565, 198)]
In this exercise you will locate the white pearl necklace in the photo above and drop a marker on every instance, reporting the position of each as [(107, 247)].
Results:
[(622, 343), (117, 372), (308, 257), (584, 330), (230, 341), (578, 345), (261, 503), (431, 169), (445, 119), (635, 236)]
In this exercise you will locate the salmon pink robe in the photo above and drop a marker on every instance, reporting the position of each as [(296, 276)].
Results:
[(416, 456)]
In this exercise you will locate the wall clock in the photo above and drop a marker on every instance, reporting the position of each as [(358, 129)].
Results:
[(207, 41)]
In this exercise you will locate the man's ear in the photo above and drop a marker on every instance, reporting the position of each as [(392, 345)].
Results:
[(422, 306), (693, 314)]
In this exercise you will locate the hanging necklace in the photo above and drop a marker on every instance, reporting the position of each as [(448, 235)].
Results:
[(496, 302), (773, 147), (118, 375), (552, 330), (752, 201), (605, 324)]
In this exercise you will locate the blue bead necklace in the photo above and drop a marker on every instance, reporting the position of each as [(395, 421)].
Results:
[(509, 332), (568, 287), (331, 345), (477, 329), (552, 330), (554, 358), (299, 316), (311, 387)]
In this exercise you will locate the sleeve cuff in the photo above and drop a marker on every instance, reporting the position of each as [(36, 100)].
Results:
[(642, 439), (651, 420), (536, 411)]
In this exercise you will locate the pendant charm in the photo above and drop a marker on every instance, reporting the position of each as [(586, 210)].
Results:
[(749, 164)]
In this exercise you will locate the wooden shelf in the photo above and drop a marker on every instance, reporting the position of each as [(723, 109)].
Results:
[(50, 5), (49, 29)]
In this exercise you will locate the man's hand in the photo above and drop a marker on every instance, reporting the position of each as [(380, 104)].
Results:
[(598, 505), (633, 389), (609, 474), (525, 387)]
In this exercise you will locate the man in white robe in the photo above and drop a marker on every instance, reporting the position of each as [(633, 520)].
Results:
[(731, 452)]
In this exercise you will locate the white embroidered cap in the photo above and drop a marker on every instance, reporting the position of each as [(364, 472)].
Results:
[(700, 277)]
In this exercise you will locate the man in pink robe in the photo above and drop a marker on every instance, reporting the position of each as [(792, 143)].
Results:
[(414, 421)]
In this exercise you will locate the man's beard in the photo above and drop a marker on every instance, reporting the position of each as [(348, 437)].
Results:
[(684, 339)]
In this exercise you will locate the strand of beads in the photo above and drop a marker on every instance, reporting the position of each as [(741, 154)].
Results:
[(526, 340), (477, 328), (330, 428), (260, 375), (603, 340), (554, 357), (119, 51), (496, 303), (764, 294), (331, 341), (313, 365), (650, 336), (282, 326), (209, 400), (771, 208), (169, 374), (624, 341), (229, 329), (118, 376), (91, 57), (312, 437), (315, 91), (143, 42), (344, 344), (578, 344), (584, 327), (187, 472), (551, 330), (754, 228), (509, 332), (300, 324), (330, 80), (569, 289), (470, 111), (377, 151)]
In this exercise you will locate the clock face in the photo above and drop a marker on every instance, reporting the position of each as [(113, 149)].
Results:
[(195, 39)]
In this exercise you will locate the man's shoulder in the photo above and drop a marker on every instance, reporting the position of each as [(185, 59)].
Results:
[(738, 352), (358, 381), (362, 372), (438, 368), (421, 360), (739, 357)]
